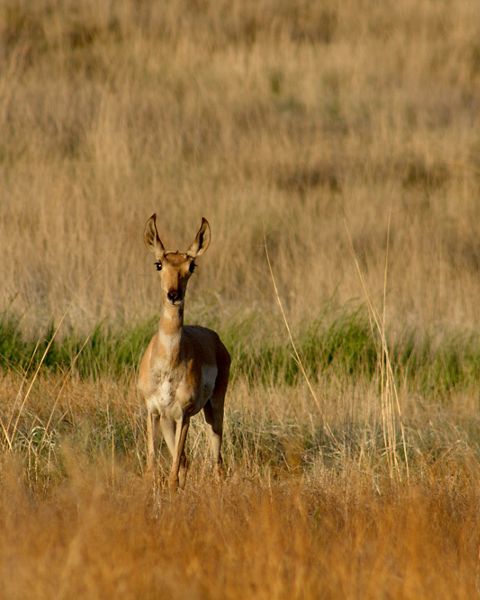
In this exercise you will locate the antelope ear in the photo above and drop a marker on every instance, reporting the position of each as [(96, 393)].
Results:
[(201, 241), (151, 237)]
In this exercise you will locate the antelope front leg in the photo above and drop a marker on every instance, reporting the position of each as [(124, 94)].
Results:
[(152, 435), (167, 425), (179, 465)]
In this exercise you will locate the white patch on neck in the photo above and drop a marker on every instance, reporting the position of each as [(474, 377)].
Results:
[(170, 342), (171, 315)]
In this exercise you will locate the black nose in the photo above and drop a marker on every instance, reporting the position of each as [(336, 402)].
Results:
[(174, 295)]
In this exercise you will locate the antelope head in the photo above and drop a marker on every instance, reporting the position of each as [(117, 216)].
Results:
[(175, 268)]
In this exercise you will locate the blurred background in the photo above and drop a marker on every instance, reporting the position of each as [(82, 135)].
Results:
[(299, 123)]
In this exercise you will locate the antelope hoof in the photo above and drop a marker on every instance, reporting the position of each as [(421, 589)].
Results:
[(173, 484), (218, 473), (182, 477), (149, 471)]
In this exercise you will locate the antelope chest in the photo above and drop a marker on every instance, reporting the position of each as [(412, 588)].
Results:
[(165, 384), (171, 387)]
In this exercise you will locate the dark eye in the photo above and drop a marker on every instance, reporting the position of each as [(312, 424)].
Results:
[(192, 266), (158, 265)]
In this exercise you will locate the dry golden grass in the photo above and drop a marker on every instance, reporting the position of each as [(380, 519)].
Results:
[(96, 539), (297, 122), (281, 118), (297, 516)]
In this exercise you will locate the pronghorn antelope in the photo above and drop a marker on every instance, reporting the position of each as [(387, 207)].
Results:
[(185, 368)]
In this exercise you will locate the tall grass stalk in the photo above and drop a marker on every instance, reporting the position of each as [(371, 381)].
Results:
[(297, 356), (391, 410), (12, 434)]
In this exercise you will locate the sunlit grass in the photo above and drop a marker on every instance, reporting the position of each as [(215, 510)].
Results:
[(309, 128)]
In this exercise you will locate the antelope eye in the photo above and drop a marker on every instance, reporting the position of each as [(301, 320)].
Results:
[(191, 267), (158, 265)]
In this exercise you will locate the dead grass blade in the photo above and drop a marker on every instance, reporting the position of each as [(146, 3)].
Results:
[(34, 378), (296, 354), (390, 404)]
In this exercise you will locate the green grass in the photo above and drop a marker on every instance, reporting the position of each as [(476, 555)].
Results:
[(341, 347), (105, 350)]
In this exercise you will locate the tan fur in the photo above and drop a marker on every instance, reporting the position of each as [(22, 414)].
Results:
[(185, 368)]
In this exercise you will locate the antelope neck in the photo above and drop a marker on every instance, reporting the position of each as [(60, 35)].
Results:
[(171, 319)]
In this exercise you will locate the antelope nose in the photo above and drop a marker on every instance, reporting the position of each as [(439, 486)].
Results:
[(174, 295)]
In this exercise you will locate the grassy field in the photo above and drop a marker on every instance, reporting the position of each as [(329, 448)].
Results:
[(343, 137)]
